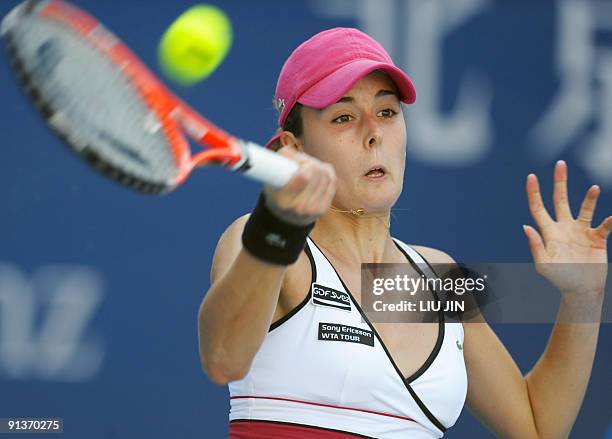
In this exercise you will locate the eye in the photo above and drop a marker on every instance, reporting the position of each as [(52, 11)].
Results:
[(342, 119), (387, 113)]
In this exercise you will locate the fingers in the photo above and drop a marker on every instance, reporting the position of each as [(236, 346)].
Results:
[(328, 195), (604, 228), (300, 189), (536, 205), (320, 199), (585, 217), (293, 154), (536, 245), (308, 201), (308, 193), (560, 198)]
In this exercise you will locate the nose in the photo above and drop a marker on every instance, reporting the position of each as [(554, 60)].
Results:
[(373, 131)]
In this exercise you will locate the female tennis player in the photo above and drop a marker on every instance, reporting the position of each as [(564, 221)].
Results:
[(282, 322)]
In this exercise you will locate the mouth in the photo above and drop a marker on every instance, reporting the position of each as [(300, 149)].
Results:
[(376, 172)]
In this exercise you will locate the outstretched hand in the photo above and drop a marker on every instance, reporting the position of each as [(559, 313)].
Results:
[(568, 252)]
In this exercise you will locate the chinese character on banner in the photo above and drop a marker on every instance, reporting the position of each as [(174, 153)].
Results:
[(578, 118), (581, 112)]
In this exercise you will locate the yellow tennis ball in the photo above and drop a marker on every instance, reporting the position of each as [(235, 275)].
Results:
[(195, 44)]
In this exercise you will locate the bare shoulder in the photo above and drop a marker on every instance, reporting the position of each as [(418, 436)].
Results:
[(235, 229), (296, 282), (228, 247), (432, 255), (474, 315), (296, 279)]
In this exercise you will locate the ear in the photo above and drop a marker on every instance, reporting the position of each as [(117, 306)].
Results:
[(287, 139)]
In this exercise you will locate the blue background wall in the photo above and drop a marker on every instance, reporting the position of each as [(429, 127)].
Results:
[(100, 286)]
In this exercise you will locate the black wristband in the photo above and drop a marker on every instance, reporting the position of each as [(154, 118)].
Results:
[(271, 239)]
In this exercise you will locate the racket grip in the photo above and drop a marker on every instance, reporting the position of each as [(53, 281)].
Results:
[(265, 165)]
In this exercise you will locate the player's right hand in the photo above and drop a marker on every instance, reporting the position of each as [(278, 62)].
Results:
[(308, 194)]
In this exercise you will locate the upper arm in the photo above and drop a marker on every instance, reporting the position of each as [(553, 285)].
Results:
[(497, 391), (228, 247)]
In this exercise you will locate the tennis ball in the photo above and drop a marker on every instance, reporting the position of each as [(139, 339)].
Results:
[(195, 44)]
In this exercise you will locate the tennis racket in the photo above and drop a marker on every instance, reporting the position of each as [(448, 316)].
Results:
[(109, 108)]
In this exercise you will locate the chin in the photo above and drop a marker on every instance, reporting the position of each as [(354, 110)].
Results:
[(380, 199)]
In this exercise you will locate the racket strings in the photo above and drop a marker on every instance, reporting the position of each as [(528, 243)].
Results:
[(89, 100)]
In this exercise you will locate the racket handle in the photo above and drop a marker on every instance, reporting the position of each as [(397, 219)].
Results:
[(265, 166)]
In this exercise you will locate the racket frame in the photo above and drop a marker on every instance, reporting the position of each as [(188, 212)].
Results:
[(175, 116)]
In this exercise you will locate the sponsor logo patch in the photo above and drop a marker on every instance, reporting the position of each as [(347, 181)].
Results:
[(351, 334), (326, 296)]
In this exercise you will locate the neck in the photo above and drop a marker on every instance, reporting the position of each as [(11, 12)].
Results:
[(355, 236)]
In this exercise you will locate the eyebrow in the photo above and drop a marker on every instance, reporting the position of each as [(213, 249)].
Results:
[(379, 94)]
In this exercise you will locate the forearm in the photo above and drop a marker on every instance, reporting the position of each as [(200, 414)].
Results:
[(235, 316), (558, 382)]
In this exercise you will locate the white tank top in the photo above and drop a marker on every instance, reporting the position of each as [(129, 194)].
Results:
[(304, 374)]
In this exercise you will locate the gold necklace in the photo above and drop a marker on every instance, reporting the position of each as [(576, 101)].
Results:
[(359, 213), (355, 212)]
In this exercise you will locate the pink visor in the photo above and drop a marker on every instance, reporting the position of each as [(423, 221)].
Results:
[(325, 67)]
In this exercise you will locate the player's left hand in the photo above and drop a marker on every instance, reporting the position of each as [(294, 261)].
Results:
[(568, 252)]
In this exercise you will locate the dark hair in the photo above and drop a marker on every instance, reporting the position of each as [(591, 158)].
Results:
[(293, 124)]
